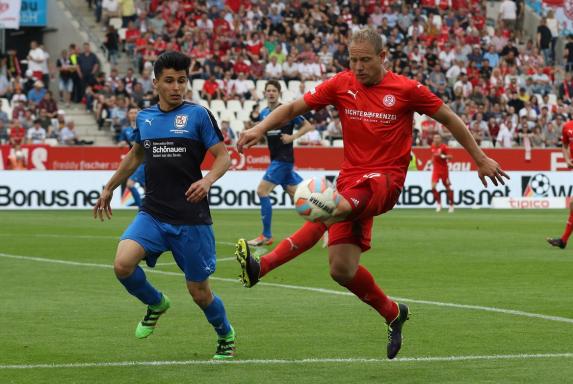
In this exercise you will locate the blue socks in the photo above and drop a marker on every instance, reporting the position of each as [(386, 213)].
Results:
[(217, 316), (266, 215), (138, 286)]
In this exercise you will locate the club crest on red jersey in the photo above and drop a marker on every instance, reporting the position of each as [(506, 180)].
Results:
[(389, 100)]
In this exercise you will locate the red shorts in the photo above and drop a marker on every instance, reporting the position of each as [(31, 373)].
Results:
[(385, 194), (441, 175)]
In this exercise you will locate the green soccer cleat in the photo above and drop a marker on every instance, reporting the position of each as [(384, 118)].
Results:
[(395, 331), (250, 266), (147, 325), (226, 346)]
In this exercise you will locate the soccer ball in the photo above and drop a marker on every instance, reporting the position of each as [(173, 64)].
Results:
[(540, 184), (315, 199)]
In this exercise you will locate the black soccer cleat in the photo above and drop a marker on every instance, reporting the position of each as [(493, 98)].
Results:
[(557, 242), (395, 331), (250, 266)]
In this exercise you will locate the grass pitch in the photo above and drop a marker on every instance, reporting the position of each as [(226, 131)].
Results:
[(491, 303)]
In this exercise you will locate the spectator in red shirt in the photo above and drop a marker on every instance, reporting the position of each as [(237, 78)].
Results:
[(211, 89), (17, 133)]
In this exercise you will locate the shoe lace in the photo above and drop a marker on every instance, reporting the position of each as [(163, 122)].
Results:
[(225, 347)]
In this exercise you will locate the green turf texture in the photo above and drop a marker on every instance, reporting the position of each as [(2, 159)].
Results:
[(53, 313)]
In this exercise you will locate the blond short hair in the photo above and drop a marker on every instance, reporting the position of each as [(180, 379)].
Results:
[(370, 36)]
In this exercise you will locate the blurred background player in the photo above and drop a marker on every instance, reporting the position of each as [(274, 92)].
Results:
[(281, 170), (440, 171), (566, 139), (127, 138), (175, 215), (376, 108)]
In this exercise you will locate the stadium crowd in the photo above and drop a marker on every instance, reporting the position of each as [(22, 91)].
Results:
[(510, 91)]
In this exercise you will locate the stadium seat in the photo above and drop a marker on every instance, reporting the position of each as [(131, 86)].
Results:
[(337, 143), (293, 85), (203, 103), (486, 144), (308, 85), (234, 106), (287, 96), (248, 105), (453, 144), (121, 33), (227, 115), (217, 106), (51, 142), (237, 126), (115, 22), (261, 87), (5, 106), (198, 84), (243, 115)]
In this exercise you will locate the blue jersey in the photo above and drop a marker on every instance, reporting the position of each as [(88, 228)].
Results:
[(127, 134), (175, 144), (279, 150)]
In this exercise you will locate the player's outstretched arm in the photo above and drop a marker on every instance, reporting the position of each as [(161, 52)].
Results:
[(487, 167), (127, 166), (304, 129), (199, 189), (276, 119)]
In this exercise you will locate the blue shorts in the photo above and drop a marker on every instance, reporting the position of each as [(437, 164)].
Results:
[(282, 173), (193, 246), (139, 175)]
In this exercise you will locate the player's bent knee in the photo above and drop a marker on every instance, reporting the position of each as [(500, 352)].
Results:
[(129, 254), (201, 293), (340, 274)]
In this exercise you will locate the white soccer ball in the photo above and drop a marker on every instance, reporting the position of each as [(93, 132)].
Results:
[(315, 199)]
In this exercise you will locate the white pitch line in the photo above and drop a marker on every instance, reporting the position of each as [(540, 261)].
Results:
[(60, 236), (427, 359), (312, 289)]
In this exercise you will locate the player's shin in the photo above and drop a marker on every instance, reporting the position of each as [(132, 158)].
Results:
[(568, 228), (303, 239), (366, 289), (137, 285), (217, 316)]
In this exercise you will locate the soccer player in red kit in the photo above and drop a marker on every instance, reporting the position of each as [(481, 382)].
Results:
[(376, 110), (567, 140), (440, 171)]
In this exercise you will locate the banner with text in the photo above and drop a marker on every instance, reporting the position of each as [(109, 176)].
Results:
[(85, 158), (80, 190), (10, 14)]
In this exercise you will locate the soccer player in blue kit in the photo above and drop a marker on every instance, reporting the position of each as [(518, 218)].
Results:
[(281, 170), (172, 137)]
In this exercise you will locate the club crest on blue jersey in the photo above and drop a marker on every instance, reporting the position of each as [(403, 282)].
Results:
[(180, 121)]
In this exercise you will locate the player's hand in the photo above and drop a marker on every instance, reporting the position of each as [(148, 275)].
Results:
[(570, 163), (286, 138), (490, 168), (198, 191), (248, 138), (102, 205)]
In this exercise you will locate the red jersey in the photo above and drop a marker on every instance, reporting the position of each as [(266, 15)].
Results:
[(377, 121), (440, 164), (567, 136)]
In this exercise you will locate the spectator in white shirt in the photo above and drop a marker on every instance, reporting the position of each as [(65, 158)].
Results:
[(508, 14), (36, 134), (273, 70), (505, 135), (290, 69)]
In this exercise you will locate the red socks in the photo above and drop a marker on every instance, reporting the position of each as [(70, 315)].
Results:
[(364, 286), (568, 228), (449, 192), (450, 196), (289, 248), (436, 196)]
